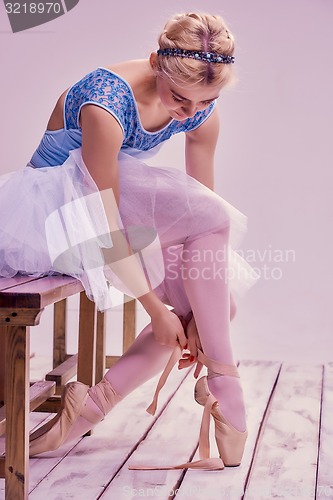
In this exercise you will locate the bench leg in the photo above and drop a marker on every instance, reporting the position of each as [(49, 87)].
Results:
[(59, 333), (128, 323), (3, 330), (17, 412), (100, 347), (87, 341)]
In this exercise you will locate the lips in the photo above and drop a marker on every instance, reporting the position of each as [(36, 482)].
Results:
[(181, 117)]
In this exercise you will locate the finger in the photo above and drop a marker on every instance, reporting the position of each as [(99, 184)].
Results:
[(182, 339), (192, 347), (184, 363), (186, 360), (181, 318)]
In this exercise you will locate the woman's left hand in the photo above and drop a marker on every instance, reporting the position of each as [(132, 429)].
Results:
[(193, 344)]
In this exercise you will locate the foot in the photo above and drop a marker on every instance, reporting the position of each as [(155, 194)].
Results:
[(229, 394), (81, 409), (100, 400), (92, 416), (54, 433)]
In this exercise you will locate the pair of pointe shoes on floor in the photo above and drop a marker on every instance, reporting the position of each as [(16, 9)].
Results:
[(230, 441)]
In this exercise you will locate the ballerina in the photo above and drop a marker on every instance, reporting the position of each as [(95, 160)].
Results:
[(90, 204)]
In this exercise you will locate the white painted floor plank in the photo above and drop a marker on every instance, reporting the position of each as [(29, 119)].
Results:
[(285, 465), (286, 460), (325, 469), (258, 378)]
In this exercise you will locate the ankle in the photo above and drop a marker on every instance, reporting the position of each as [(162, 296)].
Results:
[(104, 396), (229, 394)]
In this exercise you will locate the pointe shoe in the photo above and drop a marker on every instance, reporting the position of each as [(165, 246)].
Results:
[(50, 436), (54, 433), (230, 441)]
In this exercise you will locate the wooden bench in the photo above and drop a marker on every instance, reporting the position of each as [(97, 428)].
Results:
[(22, 302)]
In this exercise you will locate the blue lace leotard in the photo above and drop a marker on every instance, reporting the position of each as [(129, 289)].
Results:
[(108, 90)]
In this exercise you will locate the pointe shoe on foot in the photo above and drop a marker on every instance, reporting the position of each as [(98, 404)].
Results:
[(230, 441), (54, 433)]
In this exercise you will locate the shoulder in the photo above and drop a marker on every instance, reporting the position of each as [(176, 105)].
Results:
[(131, 71), (208, 129), (103, 88)]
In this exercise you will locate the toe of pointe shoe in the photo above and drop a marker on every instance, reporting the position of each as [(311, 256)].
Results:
[(52, 435), (230, 441)]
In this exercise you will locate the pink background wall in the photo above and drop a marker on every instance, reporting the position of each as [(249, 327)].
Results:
[(274, 159)]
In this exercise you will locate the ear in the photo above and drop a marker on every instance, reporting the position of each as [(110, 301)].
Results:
[(153, 61)]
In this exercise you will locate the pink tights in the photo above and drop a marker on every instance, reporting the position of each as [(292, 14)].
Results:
[(195, 280)]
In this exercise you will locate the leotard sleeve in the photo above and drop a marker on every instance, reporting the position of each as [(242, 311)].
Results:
[(104, 89)]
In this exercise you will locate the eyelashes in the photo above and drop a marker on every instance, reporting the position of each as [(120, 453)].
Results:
[(205, 103), (176, 98)]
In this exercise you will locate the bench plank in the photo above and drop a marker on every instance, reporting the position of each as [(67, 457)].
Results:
[(25, 317), (40, 293), (39, 392), (64, 372), (6, 283)]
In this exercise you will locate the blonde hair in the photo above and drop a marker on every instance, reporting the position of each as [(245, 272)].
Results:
[(196, 31)]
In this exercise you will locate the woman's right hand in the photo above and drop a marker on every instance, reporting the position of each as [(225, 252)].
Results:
[(168, 329)]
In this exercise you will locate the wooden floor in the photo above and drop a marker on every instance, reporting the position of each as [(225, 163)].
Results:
[(289, 452)]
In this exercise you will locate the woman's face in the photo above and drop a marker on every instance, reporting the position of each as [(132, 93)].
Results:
[(183, 102)]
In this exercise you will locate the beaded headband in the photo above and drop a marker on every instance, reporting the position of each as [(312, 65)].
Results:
[(210, 57)]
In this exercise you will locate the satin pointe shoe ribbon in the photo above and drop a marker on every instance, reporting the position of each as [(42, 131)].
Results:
[(223, 430), (205, 462), (174, 358)]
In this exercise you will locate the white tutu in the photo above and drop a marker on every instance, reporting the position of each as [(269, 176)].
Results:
[(53, 221)]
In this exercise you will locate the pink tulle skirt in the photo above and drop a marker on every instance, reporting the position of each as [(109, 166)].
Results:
[(53, 222)]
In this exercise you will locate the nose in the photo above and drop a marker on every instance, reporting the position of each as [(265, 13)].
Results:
[(189, 109)]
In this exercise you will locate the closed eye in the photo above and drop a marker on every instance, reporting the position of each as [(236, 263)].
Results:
[(177, 99), (180, 99)]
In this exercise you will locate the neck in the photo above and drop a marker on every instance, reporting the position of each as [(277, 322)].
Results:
[(146, 85)]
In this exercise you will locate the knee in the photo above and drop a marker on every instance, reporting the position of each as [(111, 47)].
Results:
[(214, 213)]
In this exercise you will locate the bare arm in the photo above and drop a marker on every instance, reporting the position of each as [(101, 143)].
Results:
[(102, 138), (200, 148)]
